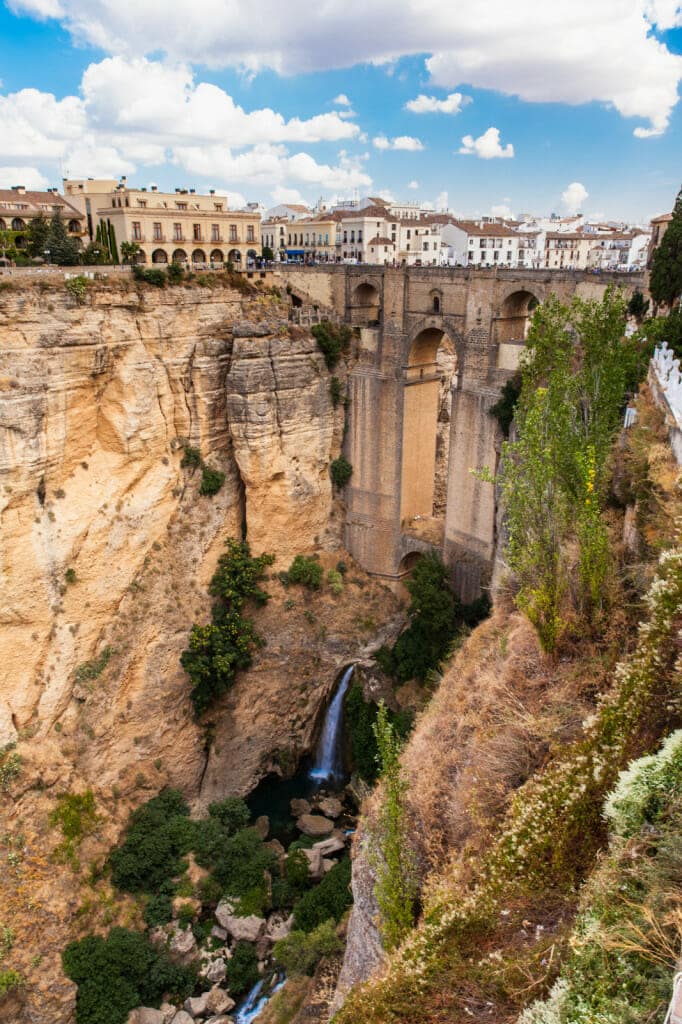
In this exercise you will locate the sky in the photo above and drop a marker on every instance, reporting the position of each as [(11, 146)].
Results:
[(487, 107)]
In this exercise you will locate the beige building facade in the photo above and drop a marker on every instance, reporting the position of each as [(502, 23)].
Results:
[(19, 206), (181, 226)]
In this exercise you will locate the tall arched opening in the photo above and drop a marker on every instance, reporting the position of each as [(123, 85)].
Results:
[(429, 377), (366, 306), (515, 316)]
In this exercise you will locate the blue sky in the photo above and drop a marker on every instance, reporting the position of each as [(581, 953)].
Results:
[(528, 106)]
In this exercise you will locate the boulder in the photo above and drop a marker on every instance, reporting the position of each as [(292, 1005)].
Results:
[(314, 858), (182, 947), (277, 849), (216, 970), (168, 1011), (262, 826), (242, 929), (279, 927), (331, 807), (327, 865), (182, 1017), (145, 1015), (197, 1006), (218, 933), (299, 807), (220, 1020), (335, 843), (218, 1001), (314, 825)]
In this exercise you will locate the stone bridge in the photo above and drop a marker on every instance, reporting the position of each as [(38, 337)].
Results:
[(435, 347)]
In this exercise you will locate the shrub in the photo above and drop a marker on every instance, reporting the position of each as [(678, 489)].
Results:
[(10, 767), (232, 813), (340, 471), (300, 952), (335, 581), (505, 407), (117, 973), (191, 458), (175, 272), (152, 275), (219, 650), (77, 288), (70, 576), (211, 481), (645, 789), (90, 670), (433, 607), (638, 306), (76, 815), (240, 865), (242, 969), (159, 906), (159, 835), (360, 718), (332, 340), (10, 980), (329, 899), (305, 571), (297, 872), (335, 391)]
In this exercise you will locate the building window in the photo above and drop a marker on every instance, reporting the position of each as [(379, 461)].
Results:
[(137, 230), (233, 232), (197, 232), (141, 202), (218, 206), (352, 237), (181, 206), (215, 232), (177, 232), (496, 255), (409, 233), (426, 246), (359, 236), (250, 237), (509, 256), (345, 237)]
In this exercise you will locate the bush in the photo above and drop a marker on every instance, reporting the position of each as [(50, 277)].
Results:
[(232, 813), (424, 644), (645, 789), (77, 816), (305, 571), (329, 899), (239, 866), (191, 458), (504, 408), (340, 471), (175, 272), (159, 835), (219, 650), (10, 980), (300, 952), (154, 276), (335, 391), (77, 288), (211, 481), (360, 718), (117, 973), (332, 340), (335, 581), (242, 969)]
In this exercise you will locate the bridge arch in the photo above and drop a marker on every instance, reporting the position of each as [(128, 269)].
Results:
[(429, 378), (365, 305), (516, 312)]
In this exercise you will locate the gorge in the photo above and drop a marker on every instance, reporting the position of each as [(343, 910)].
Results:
[(113, 410)]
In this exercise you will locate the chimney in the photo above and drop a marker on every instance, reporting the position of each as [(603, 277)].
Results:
[(212, 191), (21, 189), (154, 188), (192, 191)]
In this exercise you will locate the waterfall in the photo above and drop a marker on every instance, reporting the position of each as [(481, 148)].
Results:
[(328, 757), (256, 1000)]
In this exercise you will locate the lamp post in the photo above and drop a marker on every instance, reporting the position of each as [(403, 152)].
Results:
[(47, 255)]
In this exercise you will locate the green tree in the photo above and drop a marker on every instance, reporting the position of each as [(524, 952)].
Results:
[(37, 235), (267, 253), (102, 241), (395, 862), (432, 611), (113, 250), (665, 283), (63, 249), (129, 251)]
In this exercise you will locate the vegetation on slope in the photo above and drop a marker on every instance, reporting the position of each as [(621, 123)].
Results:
[(513, 820)]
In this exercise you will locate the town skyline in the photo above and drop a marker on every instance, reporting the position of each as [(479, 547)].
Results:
[(524, 109)]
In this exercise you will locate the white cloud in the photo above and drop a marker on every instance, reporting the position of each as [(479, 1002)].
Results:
[(487, 146), (567, 51), (442, 201), (502, 210), (452, 104), (28, 176), (136, 112), (574, 196), (282, 194), (341, 100), (413, 184), (407, 142)]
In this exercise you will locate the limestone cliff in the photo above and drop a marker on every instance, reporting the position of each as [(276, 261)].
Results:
[(106, 549)]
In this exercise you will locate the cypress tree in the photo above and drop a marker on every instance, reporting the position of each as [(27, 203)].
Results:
[(37, 235), (666, 271), (113, 249)]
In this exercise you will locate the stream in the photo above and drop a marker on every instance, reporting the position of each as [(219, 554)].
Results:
[(324, 775)]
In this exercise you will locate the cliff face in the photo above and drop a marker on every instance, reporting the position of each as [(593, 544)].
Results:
[(96, 400)]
